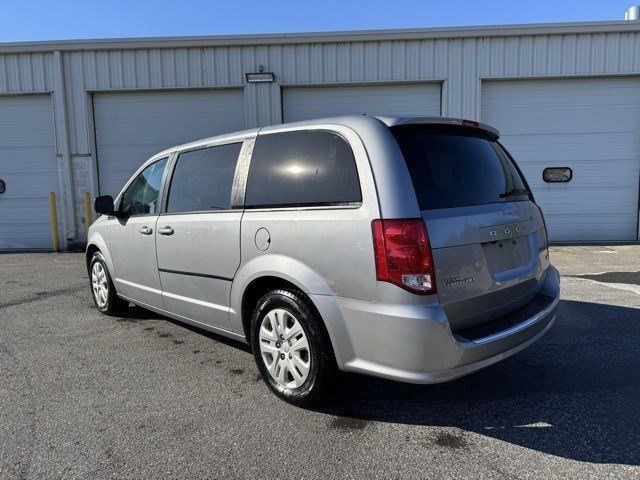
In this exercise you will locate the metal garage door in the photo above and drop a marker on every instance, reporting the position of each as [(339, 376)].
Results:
[(29, 168), (302, 103), (131, 127), (590, 125)]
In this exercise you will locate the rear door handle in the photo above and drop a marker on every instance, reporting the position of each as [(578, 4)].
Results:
[(146, 230), (165, 231)]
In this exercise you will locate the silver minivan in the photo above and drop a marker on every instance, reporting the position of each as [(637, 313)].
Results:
[(405, 248)]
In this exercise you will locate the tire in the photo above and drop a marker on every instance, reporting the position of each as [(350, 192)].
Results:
[(106, 298), (289, 307)]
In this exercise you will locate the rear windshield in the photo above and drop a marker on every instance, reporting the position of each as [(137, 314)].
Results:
[(457, 167)]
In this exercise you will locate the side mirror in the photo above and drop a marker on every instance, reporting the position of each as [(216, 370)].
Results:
[(104, 205)]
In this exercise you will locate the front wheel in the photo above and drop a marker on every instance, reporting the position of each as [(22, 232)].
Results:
[(102, 288), (292, 351)]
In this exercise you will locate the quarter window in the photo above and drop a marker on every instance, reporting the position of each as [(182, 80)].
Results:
[(202, 179), (310, 167), (141, 197)]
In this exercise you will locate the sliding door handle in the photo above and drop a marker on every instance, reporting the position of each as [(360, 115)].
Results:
[(146, 230), (165, 231)]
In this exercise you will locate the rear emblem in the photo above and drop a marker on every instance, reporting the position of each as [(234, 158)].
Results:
[(453, 281)]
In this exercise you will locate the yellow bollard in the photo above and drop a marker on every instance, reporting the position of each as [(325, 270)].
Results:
[(88, 211), (53, 211)]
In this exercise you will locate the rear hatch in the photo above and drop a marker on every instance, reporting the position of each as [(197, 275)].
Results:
[(487, 235)]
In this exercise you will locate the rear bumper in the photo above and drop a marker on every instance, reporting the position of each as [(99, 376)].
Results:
[(414, 343)]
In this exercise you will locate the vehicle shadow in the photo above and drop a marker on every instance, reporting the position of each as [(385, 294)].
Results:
[(574, 394)]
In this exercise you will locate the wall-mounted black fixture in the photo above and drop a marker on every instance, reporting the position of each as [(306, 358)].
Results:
[(557, 174), (3, 187)]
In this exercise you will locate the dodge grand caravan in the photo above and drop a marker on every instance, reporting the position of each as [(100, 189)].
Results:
[(406, 248)]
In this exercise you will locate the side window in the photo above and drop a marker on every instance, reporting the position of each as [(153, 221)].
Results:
[(202, 179), (141, 197), (308, 167)]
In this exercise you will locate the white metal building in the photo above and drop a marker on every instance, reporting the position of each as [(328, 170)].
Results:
[(83, 115)]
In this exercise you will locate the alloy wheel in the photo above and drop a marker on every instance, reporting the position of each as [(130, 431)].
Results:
[(99, 284)]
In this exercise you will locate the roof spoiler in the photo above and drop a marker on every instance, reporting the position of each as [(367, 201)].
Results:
[(463, 122)]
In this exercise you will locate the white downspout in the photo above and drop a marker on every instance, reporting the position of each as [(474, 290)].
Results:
[(65, 167)]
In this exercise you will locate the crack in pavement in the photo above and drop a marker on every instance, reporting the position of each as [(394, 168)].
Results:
[(34, 297)]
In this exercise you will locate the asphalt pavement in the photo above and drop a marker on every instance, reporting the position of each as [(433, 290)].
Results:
[(88, 396)]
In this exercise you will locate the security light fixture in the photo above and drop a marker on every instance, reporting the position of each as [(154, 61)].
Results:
[(261, 76), (267, 77)]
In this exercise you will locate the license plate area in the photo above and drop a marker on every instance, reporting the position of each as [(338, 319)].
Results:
[(507, 254)]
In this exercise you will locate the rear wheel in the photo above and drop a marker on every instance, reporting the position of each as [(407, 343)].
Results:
[(292, 351), (102, 288)]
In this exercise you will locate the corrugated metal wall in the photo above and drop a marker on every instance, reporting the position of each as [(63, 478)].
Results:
[(25, 72), (459, 63)]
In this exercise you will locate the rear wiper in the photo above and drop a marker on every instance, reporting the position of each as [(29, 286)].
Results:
[(513, 192)]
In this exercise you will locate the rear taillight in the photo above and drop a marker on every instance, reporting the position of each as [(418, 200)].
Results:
[(544, 224), (403, 254), (546, 232)]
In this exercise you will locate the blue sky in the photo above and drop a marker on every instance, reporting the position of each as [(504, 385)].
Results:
[(22, 20)]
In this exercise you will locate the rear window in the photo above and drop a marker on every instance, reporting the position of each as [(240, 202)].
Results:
[(307, 167), (457, 167)]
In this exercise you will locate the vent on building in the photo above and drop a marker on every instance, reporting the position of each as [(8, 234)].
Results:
[(633, 13)]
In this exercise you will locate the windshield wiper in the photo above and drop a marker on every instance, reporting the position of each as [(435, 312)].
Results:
[(513, 192)]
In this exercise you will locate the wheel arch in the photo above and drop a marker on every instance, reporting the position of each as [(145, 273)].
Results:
[(97, 244), (91, 249), (272, 272), (278, 269), (260, 286)]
